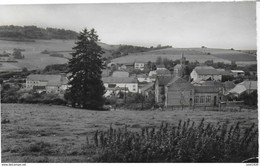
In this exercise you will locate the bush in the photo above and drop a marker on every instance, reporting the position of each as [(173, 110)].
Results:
[(249, 99), (183, 143)]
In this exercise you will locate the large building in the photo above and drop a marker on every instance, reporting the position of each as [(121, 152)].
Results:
[(179, 92), (202, 73), (48, 83), (116, 84)]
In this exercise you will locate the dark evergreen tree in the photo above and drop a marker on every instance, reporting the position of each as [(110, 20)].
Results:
[(87, 88)]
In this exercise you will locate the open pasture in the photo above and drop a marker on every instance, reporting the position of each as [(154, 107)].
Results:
[(192, 54), (44, 133), (33, 57)]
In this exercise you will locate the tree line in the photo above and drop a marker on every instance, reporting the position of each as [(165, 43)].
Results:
[(34, 32)]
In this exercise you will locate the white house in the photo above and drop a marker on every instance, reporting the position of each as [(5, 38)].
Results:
[(126, 84), (201, 73), (237, 73), (143, 78), (139, 65)]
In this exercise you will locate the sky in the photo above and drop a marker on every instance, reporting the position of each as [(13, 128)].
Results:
[(179, 24)]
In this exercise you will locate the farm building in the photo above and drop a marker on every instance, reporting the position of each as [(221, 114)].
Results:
[(179, 92), (245, 86), (51, 83), (205, 73), (114, 84)]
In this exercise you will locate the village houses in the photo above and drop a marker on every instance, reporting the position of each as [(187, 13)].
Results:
[(117, 84), (47, 83)]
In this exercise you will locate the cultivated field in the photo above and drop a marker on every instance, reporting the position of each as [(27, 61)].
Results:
[(43, 133), (192, 54), (33, 57)]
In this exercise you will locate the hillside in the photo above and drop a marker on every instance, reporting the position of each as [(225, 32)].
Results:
[(17, 33), (192, 54), (35, 58)]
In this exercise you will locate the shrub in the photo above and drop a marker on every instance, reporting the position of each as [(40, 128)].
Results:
[(183, 143)]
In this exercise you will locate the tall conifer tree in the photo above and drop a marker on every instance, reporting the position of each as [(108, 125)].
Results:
[(86, 87)]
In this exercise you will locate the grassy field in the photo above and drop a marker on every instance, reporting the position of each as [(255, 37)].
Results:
[(33, 57), (191, 54), (44, 133)]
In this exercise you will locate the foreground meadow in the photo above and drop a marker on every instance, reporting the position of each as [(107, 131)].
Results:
[(44, 133)]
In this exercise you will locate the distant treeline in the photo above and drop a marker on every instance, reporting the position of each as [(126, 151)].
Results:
[(34, 32), (126, 49)]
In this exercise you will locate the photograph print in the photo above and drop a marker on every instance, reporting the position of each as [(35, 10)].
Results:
[(158, 82)]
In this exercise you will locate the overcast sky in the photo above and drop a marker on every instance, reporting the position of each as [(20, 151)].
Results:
[(189, 24)]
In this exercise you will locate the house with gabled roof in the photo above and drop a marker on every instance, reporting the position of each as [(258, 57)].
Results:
[(201, 73), (139, 65), (115, 84)]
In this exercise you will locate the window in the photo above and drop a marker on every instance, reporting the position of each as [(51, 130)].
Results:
[(202, 99), (190, 92), (134, 86), (208, 99), (111, 85), (196, 99)]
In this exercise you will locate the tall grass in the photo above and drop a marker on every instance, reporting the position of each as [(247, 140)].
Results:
[(183, 143)]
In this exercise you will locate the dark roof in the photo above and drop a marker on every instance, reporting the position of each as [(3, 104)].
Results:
[(212, 83), (53, 80), (163, 72), (119, 80), (207, 89), (163, 80), (206, 70)]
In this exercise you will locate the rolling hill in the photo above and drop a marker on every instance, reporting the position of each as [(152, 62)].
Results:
[(192, 54), (34, 59)]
